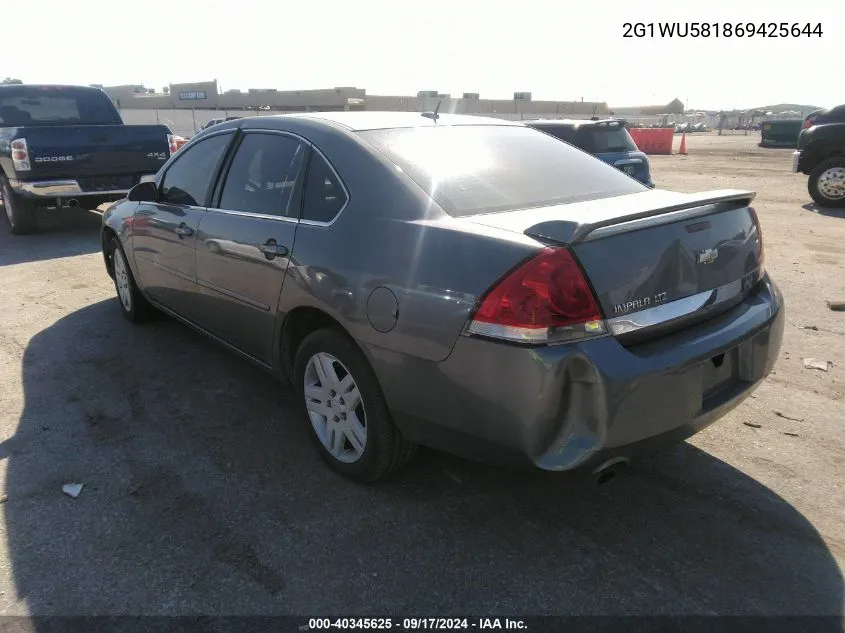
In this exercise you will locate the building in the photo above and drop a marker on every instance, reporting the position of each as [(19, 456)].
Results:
[(206, 95)]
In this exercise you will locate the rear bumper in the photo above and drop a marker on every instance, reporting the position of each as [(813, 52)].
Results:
[(576, 406), (52, 189)]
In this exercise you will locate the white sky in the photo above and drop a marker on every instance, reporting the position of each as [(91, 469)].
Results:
[(556, 50)]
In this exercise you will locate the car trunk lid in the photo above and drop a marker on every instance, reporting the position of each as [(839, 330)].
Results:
[(655, 257)]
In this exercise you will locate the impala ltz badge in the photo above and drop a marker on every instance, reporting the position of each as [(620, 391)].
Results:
[(708, 256), (640, 303)]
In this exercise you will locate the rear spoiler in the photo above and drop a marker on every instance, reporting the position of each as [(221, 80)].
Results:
[(693, 205)]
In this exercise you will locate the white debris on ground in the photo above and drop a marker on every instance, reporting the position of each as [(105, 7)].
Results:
[(72, 490), (816, 363)]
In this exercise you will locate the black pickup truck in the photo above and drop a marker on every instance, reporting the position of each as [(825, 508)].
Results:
[(66, 146), (821, 155)]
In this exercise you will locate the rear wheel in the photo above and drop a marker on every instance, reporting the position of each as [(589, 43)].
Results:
[(340, 397), (827, 183), (20, 212), (133, 304)]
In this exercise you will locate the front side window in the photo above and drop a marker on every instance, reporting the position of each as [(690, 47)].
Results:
[(265, 175), (473, 169), (189, 179), (325, 196)]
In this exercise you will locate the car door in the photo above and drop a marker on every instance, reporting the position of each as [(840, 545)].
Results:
[(164, 232), (246, 238)]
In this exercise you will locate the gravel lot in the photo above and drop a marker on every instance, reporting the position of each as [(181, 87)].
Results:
[(203, 496)]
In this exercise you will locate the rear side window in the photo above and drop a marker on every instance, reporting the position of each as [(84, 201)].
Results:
[(475, 169), (35, 105), (264, 176), (325, 196), (189, 179)]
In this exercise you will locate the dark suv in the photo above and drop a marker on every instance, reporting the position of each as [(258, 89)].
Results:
[(606, 139)]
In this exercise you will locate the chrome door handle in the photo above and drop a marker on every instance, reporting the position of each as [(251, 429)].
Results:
[(271, 249), (182, 230)]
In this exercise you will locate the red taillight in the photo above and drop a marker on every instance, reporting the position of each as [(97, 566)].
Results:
[(20, 155), (808, 123), (545, 300), (759, 238)]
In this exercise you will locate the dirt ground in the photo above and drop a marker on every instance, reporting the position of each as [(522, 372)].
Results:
[(202, 494)]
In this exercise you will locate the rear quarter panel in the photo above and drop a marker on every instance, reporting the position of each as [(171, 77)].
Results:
[(391, 235)]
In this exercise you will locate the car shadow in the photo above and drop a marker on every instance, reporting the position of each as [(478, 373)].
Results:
[(202, 495), (819, 210), (64, 233)]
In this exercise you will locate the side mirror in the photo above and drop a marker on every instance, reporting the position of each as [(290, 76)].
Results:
[(143, 192)]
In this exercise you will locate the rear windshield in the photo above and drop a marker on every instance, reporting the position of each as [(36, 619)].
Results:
[(600, 139), (487, 168), (30, 105), (563, 132)]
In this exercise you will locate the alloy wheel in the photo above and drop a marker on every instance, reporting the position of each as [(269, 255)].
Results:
[(121, 280), (335, 408)]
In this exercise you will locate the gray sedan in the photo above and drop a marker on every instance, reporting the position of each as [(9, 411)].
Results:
[(463, 283)]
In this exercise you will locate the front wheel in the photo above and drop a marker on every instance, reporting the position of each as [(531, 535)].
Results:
[(827, 183), (20, 212), (340, 397)]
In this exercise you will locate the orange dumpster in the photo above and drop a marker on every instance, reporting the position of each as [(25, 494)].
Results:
[(653, 140)]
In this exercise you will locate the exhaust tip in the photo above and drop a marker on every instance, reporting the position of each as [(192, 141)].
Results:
[(606, 475), (73, 202), (609, 469)]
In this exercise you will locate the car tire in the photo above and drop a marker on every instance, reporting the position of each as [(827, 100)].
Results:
[(825, 179), (331, 356), (133, 304), (20, 212)]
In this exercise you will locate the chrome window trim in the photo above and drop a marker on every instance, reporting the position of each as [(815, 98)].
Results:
[(252, 214), (294, 135), (342, 186), (162, 172), (147, 212)]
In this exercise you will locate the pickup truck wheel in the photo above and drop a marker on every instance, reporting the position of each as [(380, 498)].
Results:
[(827, 183), (340, 397), (133, 304), (20, 212)]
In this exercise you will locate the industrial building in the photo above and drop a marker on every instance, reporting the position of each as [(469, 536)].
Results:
[(207, 96)]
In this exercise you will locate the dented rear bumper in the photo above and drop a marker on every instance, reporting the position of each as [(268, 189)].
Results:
[(575, 406)]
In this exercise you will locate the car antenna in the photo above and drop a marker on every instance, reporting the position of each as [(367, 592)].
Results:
[(433, 115)]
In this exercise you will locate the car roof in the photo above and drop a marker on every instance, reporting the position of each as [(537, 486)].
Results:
[(377, 120)]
